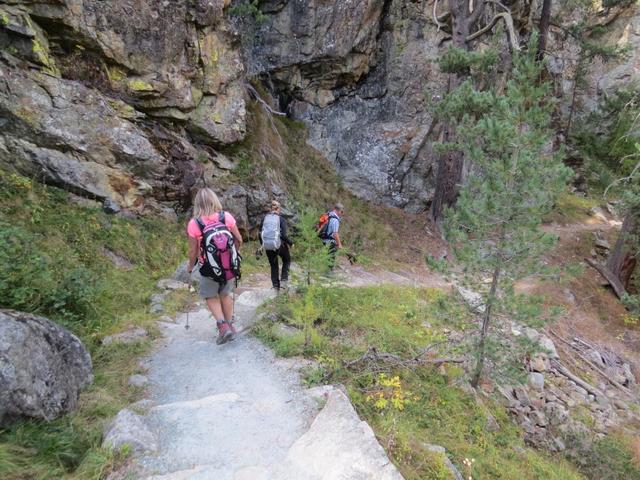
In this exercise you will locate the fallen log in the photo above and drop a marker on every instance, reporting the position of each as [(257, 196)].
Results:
[(560, 368), (594, 366), (615, 283), (374, 357)]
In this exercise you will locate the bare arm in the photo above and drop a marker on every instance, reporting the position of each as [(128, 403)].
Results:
[(193, 252), (237, 236), (336, 237)]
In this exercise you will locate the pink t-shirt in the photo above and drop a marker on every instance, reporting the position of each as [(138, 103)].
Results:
[(193, 230)]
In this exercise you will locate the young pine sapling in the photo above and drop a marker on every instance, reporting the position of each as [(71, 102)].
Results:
[(515, 180)]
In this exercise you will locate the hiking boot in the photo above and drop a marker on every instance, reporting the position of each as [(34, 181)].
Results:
[(225, 333), (233, 329)]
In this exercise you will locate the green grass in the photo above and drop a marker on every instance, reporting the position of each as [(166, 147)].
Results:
[(52, 263), (571, 208), (610, 457), (423, 405)]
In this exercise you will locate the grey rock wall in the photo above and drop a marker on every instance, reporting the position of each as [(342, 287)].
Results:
[(363, 75)]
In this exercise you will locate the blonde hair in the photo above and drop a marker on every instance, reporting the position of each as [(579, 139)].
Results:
[(206, 203), (275, 205)]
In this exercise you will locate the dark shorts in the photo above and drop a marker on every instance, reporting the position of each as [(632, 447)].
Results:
[(209, 288)]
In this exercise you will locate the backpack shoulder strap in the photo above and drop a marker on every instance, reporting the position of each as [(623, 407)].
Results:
[(221, 217), (200, 224)]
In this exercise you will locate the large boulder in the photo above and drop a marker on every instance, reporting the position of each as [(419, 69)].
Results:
[(43, 368), (337, 445), (129, 429)]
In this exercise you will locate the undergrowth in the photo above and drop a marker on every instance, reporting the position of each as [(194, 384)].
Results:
[(571, 208), (53, 263), (410, 408)]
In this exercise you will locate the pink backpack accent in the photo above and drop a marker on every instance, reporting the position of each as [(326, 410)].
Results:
[(221, 259)]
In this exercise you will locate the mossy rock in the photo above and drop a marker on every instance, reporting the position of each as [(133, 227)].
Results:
[(139, 85)]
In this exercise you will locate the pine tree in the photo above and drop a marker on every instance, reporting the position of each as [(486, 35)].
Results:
[(495, 228), (310, 253)]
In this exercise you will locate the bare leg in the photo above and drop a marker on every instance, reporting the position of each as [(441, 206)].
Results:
[(227, 307), (216, 308)]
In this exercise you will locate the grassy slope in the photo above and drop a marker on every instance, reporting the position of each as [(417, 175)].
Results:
[(572, 208), (68, 279), (424, 405)]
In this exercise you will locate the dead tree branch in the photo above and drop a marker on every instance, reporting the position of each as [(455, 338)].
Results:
[(476, 12), (265, 105), (560, 368), (373, 358), (511, 31), (436, 20), (615, 283)]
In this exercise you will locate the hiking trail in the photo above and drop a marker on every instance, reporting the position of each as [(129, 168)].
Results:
[(236, 412)]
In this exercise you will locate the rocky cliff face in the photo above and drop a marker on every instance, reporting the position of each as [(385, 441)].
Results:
[(119, 101), (363, 75), (130, 102)]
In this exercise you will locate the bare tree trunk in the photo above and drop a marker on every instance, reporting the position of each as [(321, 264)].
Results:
[(450, 165), (485, 328), (622, 261), (543, 26)]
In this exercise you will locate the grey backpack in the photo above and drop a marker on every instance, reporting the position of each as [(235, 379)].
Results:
[(271, 232)]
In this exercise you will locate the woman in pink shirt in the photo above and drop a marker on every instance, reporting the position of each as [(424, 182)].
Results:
[(207, 209)]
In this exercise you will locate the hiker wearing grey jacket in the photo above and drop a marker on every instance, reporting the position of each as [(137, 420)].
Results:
[(279, 248)]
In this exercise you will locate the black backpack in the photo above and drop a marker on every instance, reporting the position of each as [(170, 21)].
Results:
[(221, 258)]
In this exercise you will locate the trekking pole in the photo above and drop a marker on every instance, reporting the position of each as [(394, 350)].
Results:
[(233, 315)]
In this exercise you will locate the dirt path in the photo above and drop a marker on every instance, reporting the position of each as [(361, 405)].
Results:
[(235, 412)]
